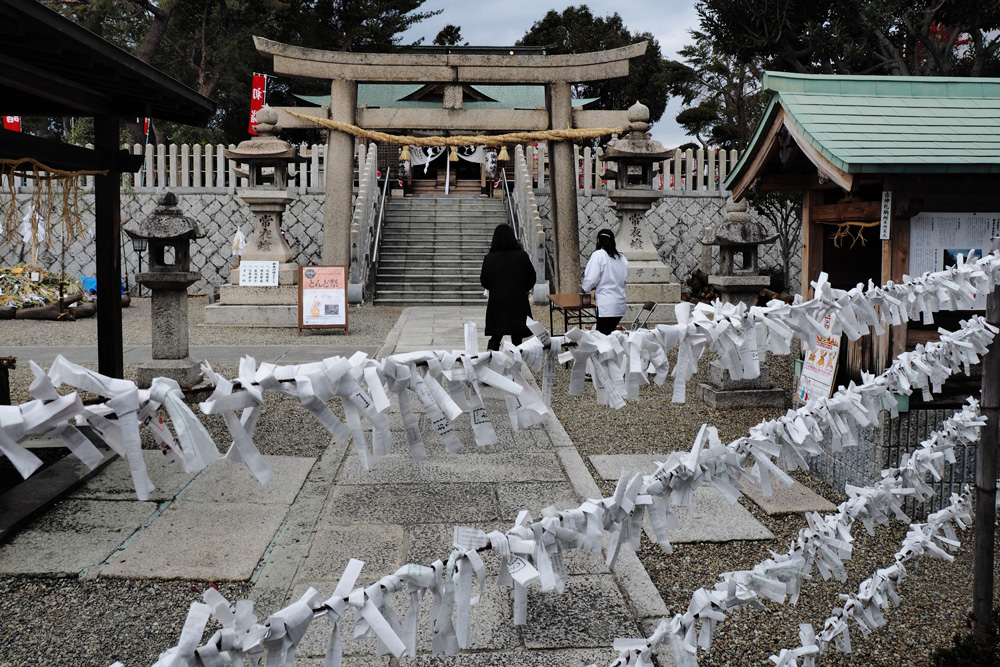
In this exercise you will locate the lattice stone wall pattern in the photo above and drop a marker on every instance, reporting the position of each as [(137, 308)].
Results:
[(675, 223), (218, 215)]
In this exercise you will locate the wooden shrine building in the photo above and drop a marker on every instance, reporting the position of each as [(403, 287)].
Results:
[(926, 148), (49, 66)]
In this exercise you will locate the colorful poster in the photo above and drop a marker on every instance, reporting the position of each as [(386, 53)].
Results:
[(819, 370), (322, 296), (258, 94)]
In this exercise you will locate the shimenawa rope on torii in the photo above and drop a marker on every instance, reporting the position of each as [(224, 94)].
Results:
[(569, 134)]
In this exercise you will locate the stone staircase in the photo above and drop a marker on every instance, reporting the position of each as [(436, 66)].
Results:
[(433, 249)]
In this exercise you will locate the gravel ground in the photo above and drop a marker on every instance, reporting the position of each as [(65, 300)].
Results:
[(75, 622)]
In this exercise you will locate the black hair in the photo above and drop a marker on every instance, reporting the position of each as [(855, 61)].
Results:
[(504, 239), (606, 242)]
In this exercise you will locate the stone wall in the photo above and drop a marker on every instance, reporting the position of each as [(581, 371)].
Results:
[(219, 214), (880, 446), (675, 223)]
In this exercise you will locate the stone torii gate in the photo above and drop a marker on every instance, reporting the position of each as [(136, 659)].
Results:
[(345, 70)]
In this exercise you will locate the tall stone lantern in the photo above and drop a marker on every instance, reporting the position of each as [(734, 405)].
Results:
[(267, 158), (631, 157), (169, 233)]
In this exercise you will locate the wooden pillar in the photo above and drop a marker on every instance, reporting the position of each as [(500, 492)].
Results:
[(565, 223), (986, 476), (107, 233), (812, 242), (339, 175)]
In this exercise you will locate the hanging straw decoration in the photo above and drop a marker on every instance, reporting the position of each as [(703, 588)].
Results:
[(454, 154), (43, 199), (404, 154), (504, 155)]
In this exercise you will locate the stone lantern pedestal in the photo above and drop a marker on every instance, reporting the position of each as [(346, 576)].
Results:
[(631, 158), (267, 158), (168, 231), (739, 239)]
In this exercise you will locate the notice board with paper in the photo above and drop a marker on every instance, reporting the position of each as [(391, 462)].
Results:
[(322, 297), (819, 370)]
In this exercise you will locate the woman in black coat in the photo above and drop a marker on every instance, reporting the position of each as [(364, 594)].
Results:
[(509, 276)]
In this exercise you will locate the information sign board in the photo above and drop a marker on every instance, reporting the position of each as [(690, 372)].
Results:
[(322, 297), (258, 273), (819, 370), (937, 239)]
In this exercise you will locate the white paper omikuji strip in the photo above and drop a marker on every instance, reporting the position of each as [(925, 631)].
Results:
[(532, 551)]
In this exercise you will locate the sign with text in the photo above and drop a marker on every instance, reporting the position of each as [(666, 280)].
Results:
[(884, 228), (322, 296), (259, 274), (937, 239), (12, 123), (819, 370)]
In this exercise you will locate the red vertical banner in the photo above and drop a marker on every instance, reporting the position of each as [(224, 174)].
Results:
[(12, 123), (257, 95), (145, 127)]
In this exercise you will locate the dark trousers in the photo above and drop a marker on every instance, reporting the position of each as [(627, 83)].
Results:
[(607, 324), (494, 343)]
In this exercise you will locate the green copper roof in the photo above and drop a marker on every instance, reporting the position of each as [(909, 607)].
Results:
[(392, 96), (889, 124)]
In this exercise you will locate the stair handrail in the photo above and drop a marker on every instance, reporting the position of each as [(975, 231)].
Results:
[(512, 217), (381, 218)]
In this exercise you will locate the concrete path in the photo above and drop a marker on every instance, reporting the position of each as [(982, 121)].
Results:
[(302, 529)]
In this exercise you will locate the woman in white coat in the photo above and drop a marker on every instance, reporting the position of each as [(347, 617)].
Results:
[(607, 270)]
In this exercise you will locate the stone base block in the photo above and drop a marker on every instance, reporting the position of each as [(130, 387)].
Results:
[(741, 398), (231, 315), (186, 372), (282, 295), (649, 272), (288, 274), (662, 293), (718, 376)]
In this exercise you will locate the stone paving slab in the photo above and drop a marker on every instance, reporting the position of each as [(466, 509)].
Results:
[(473, 466), (115, 481), (590, 612), (74, 536), (491, 625), (535, 497), (380, 546), (208, 541), (229, 482), (794, 499), (709, 518), (411, 503)]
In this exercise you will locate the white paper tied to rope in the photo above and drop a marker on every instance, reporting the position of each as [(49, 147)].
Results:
[(224, 401)]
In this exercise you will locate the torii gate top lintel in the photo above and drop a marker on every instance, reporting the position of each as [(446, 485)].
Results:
[(303, 62)]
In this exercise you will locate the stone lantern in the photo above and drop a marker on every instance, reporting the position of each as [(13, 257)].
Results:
[(267, 158), (631, 158), (169, 233), (739, 238)]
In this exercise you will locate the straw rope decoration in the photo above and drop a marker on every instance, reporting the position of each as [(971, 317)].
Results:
[(495, 140), (43, 198)]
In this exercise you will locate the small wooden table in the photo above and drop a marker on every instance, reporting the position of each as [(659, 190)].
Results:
[(573, 310)]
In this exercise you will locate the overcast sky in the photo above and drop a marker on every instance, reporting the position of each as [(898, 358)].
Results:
[(504, 22)]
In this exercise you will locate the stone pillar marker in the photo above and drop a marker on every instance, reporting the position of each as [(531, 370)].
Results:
[(267, 158), (738, 238), (631, 157), (168, 280)]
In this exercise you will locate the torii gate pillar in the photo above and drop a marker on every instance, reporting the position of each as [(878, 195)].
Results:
[(565, 220), (339, 175)]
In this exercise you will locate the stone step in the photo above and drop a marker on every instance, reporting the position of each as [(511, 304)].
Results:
[(390, 299)]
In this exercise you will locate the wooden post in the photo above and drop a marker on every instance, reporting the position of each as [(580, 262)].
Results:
[(108, 256), (986, 475)]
